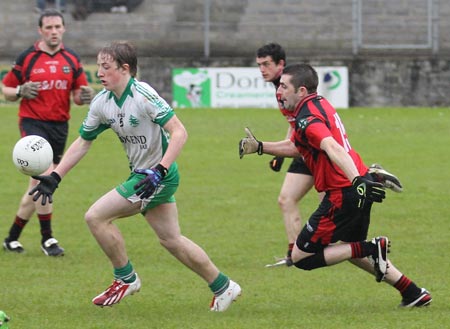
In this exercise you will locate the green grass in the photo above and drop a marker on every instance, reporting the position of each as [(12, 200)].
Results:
[(228, 206)]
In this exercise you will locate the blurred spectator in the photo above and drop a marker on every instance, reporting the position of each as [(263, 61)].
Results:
[(41, 5), (119, 6), (116, 6), (82, 8)]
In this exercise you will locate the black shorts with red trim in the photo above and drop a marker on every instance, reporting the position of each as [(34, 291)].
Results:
[(337, 219), (54, 132), (298, 166)]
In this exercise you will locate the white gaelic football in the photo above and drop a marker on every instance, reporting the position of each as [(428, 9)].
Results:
[(32, 155)]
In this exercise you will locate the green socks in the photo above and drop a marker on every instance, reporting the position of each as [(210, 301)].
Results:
[(126, 273), (220, 284)]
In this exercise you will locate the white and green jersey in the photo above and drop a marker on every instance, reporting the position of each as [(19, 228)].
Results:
[(137, 118)]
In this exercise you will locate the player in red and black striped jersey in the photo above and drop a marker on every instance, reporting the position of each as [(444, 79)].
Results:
[(271, 60), (337, 230), (44, 77)]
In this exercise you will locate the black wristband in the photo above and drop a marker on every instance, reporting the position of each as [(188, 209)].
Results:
[(162, 170), (56, 176), (18, 91), (260, 148)]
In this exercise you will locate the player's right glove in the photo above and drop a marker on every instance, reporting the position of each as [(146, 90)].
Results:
[(45, 188), (368, 190), (148, 185), (276, 163), (249, 144), (29, 90)]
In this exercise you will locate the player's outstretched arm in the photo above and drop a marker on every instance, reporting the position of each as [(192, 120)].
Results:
[(48, 184)]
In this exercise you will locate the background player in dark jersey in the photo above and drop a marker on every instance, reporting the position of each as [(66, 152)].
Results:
[(271, 60), (44, 77), (337, 230)]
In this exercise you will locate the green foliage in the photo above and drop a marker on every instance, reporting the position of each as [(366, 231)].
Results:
[(229, 207)]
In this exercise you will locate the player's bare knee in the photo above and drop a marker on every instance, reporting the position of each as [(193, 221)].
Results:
[(280, 202), (91, 219), (88, 218), (170, 244), (285, 202)]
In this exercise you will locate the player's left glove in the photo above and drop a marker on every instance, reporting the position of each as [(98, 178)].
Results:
[(368, 190), (249, 144), (45, 188), (276, 163), (148, 185), (87, 94)]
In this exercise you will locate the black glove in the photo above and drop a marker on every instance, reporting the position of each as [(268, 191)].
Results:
[(276, 163), (46, 187), (368, 190), (148, 185)]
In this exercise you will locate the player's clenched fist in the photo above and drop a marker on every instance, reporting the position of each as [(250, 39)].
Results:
[(29, 90), (368, 190), (87, 94)]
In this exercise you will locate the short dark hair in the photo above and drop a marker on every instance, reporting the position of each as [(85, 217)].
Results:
[(50, 13), (122, 52), (303, 75), (273, 50)]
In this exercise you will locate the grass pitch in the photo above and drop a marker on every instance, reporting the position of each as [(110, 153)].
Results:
[(229, 207)]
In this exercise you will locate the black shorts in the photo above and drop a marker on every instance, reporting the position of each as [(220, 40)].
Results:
[(337, 219), (54, 132), (298, 166)]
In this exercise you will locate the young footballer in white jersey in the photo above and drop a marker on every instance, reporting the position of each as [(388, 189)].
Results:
[(143, 121)]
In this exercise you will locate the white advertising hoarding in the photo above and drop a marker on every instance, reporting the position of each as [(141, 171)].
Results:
[(244, 87)]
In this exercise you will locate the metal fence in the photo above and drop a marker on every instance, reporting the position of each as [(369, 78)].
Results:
[(376, 24), (410, 25)]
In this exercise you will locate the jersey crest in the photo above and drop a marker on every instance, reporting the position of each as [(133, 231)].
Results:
[(134, 122), (302, 123)]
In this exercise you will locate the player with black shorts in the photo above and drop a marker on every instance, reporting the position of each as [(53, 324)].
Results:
[(271, 60), (337, 230), (44, 77)]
